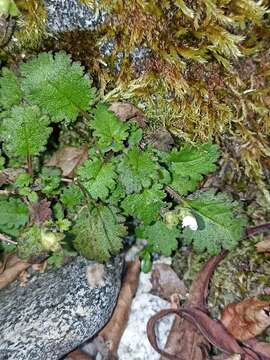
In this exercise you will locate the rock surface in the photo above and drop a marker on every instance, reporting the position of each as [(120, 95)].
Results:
[(56, 311), (134, 344), (63, 15)]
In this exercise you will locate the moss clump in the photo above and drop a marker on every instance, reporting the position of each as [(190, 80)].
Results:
[(207, 67), (31, 24)]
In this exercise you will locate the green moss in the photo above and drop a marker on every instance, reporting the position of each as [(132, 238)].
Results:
[(30, 25)]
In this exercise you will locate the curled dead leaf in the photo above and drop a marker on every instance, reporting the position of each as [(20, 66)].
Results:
[(40, 211), (165, 282), (67, 159), (112, 333), (9, 175), (160, 139), (246, 319), (23, 278), (126, 111), (11, 268), (40, 267), (259, 346), (264, 245)]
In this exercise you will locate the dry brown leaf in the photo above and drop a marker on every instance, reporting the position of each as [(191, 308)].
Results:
[(78, 355), (160, 139), (264, 245), (165, 282), (13, 266), (23, 278), (246, 319), (9, 175), (234, 357), (259, 346), (67, 159), (40, 267), (111, 334), (225, 357), (184, 340), (40, 212), (126, 111)]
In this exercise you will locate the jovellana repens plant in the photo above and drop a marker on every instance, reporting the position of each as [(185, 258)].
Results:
[(120, 181)]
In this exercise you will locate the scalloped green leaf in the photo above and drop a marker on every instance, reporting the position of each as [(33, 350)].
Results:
[(98, 232), (137, 170), (14, 214), (25, 131), (10, 90), (162, 239), (146, 205), (221, 223), (189, 164), (57, 85), (108, 129), (97, 177)]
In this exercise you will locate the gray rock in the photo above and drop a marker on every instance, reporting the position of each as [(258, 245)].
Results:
[(63, 15), (57, 310)]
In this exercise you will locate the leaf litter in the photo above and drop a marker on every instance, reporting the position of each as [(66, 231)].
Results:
[(194, 331)]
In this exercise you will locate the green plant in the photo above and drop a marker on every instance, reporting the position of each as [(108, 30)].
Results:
[(120, 180), (8, 7)]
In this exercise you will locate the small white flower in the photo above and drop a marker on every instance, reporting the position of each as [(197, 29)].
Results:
[(190, 221)]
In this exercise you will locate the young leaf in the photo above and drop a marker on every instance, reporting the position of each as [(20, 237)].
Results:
[(162, 238), (109, 130), (146, 205), (50, 180), (220, 223), (97, 177), (71, 197), (10, 91), (137, 170), (25, 132), (57, 85), (13, 215), (98, 232), (189, 164)]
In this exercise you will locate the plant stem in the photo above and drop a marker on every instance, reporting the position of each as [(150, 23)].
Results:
[(258, 229), (174, 194), (30, 165), (7, 239)]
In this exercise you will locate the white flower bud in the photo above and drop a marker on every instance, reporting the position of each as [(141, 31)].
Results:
[(190, 221)]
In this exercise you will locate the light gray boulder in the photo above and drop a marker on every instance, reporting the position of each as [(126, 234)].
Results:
[(66, 15), (57, 310)]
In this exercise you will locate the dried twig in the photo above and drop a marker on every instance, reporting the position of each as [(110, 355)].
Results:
[(254, 230), (7, 239), (113, 331)]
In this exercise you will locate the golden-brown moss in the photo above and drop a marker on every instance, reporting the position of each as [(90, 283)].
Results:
[(31, 24)]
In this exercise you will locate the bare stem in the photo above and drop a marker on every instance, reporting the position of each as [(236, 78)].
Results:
[(8, 191), (258, 229), (30, 165), (174, 194), (7, 239)]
